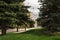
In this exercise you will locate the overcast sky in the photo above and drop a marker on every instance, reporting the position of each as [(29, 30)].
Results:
[(34, 7)]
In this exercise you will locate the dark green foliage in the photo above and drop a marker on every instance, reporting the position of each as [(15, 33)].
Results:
[(50, 15), (12, 12), (12, 1), (31, 22)]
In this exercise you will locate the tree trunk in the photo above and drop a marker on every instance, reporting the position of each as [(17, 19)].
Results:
[(3, 31), (17, 29), (25, 28)]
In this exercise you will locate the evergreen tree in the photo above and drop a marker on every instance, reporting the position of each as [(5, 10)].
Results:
[(12, 12), (50, 15)]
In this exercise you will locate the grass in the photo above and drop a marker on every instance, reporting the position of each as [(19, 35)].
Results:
[(35, 34)]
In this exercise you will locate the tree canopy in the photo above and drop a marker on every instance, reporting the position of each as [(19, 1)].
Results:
[(12, 12), (50, 14)]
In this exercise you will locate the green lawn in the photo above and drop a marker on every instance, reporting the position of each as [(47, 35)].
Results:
[(30, 35)]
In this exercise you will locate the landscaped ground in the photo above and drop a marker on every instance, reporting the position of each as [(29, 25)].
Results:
[(36, 34)]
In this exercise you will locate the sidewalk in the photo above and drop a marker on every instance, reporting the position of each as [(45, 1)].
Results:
[(19, 30)]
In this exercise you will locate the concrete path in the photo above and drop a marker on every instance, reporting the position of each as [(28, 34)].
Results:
[(20, 30)]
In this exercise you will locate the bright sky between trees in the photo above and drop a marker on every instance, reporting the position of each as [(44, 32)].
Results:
[(34, 7)]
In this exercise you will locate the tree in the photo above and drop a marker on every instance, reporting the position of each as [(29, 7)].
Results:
[(31, 23), (50, 14), (23, 16), (12, 12)]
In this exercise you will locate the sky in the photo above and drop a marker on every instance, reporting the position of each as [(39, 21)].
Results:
[(34, 7)]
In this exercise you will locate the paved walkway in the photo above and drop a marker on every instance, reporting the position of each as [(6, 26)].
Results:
[(20, 30)]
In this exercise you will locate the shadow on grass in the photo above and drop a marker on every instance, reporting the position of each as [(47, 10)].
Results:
[(57, 38), (38, 32)]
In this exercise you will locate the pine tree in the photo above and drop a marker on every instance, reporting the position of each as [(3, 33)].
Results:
[(12, 12), (50, 15)]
